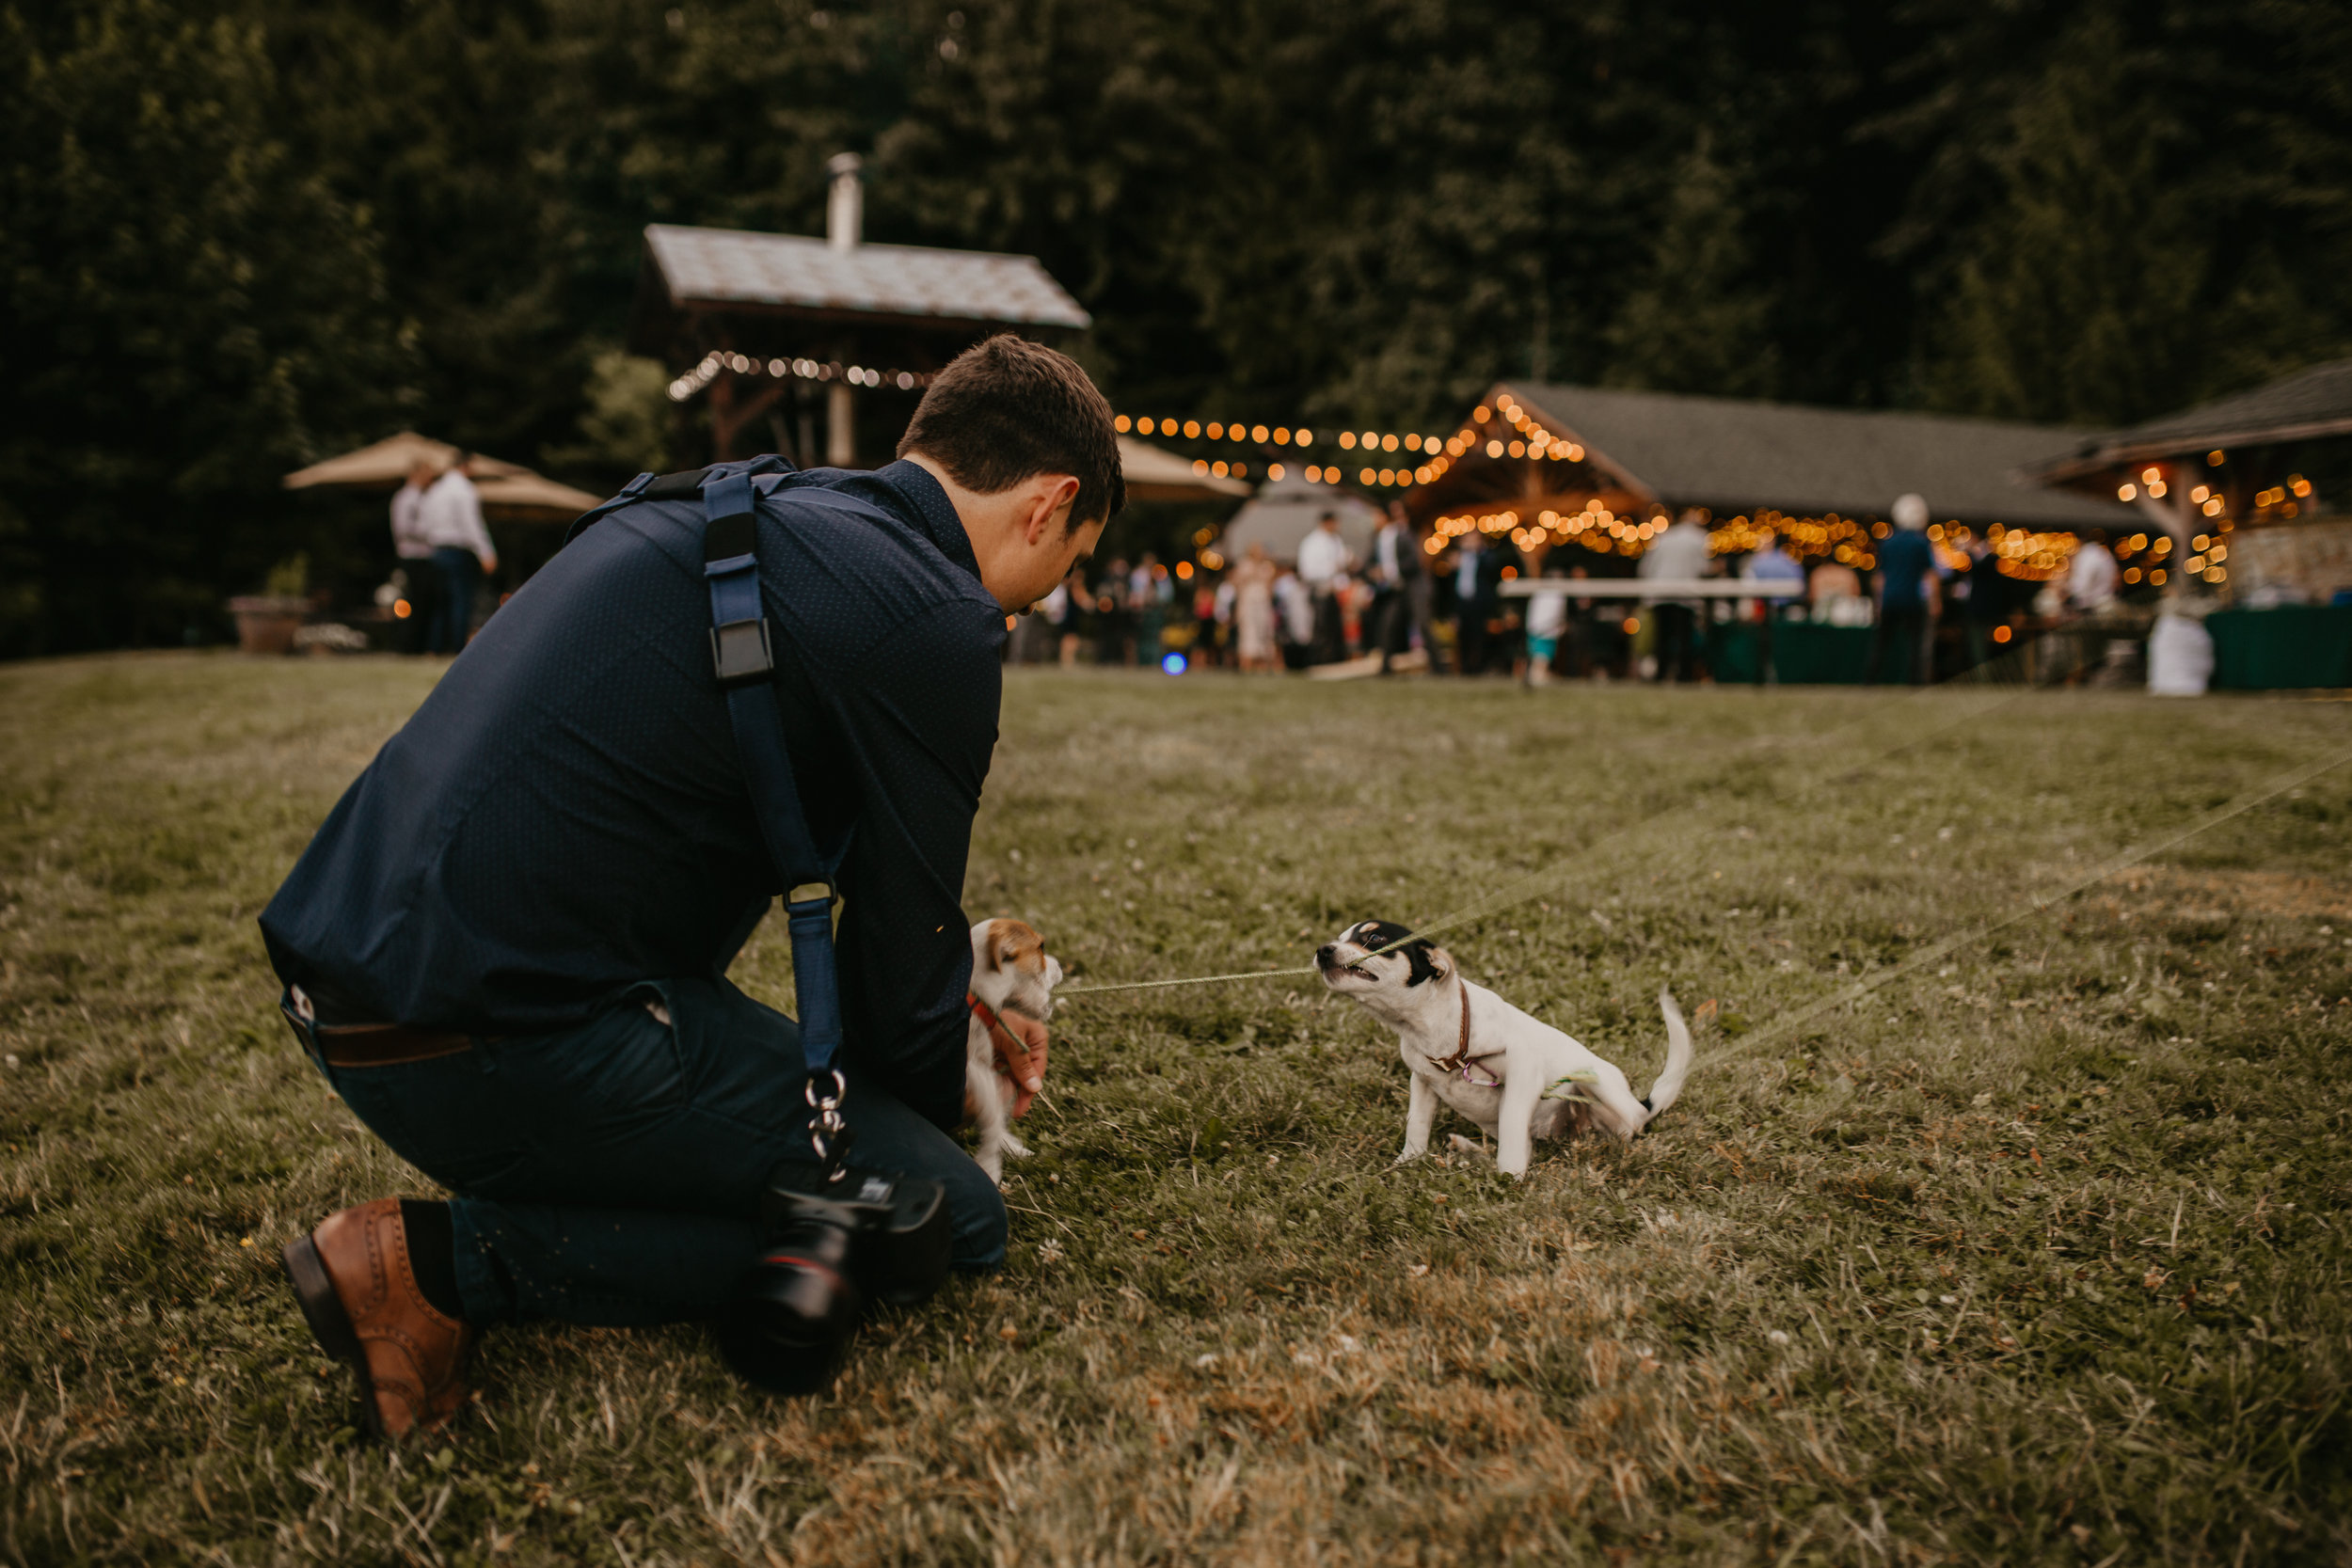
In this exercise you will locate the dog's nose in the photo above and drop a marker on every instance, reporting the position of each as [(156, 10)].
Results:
[(1323, 954)]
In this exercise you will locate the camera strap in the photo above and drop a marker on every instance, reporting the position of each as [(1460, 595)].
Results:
[(743, 654)]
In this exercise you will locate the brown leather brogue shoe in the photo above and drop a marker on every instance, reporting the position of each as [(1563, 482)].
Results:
[(353, 1276)]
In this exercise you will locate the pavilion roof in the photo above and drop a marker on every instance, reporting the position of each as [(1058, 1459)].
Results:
[(2310, 404), (1735, 455), (900, 284)]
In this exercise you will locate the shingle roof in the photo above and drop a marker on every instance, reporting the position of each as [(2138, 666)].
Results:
[(1733, 455), (2313, 403), (915, 284)]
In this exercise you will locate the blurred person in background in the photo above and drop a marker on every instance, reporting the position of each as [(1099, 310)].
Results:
[(1205, 625), (1069, 616), (1771, 564), (1295, 609), (1112, 618), (419, 580), (1679, 555), (1909, 594), (1988, 598), (1580, 645), (1147, 600), (1218, 625), (1547, 621), (1257, 630), (1834, 592), (1322, 568), (1394, 568), (1421, 593), (1477, 584), (449, 518), (2091, 576)]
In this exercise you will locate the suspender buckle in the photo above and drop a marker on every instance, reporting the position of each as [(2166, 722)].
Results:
[(739, 651), (809, 891)]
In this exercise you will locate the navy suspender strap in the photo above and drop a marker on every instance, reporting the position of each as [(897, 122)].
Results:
[(744, 655)]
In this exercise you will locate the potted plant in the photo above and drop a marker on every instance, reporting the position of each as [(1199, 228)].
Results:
[(266, 621)]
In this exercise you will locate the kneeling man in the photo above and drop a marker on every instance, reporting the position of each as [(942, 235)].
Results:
[(507, 947)]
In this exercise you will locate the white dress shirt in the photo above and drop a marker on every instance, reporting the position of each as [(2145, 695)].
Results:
[(1321, 556), (407, 537), (450, 517), (2090, 581)]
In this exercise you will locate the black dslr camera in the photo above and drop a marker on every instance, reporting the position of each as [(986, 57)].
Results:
[(831, 1246)]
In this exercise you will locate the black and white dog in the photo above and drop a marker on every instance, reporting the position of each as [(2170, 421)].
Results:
[(1518, 1078)]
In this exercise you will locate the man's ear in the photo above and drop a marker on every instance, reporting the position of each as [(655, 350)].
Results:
[(1048, 508)]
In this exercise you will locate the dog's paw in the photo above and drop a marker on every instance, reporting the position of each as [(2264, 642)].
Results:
[(1461, 1145), (1016, 1148)]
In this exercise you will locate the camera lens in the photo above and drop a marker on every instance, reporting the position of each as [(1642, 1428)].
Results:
[(793, 1312)]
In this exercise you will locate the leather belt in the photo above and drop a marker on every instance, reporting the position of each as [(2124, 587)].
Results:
[(383, 1044), (367, 1044)]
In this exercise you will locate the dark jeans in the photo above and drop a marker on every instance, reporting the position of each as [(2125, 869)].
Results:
[(611, 1174), (452, 617), (1389, 622), (424, 594), (1903, 629), (1678, 643), (1330, 645), (1980, 643)]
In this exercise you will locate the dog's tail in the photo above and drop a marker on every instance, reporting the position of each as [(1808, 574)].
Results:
[(1668, 1089)]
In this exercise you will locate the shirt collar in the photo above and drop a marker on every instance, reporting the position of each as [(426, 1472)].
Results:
[(910, 491)]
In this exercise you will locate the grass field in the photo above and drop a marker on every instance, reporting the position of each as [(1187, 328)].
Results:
[(2035, 1254)]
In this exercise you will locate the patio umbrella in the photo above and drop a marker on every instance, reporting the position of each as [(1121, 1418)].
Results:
[(385, 465), (1156, 474)]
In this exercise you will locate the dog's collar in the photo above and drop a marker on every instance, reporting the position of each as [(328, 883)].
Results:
[(995, 1026), (1446, 1065)]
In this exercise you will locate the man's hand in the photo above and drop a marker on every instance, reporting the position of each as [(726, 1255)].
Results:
[(1021, 1059)]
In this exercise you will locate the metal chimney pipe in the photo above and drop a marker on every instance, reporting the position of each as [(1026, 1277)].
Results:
[(845, 202)]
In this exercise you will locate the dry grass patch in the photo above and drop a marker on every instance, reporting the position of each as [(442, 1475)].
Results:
[(2032, 1255)]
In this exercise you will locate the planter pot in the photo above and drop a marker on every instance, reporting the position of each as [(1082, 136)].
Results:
[(266, 625)]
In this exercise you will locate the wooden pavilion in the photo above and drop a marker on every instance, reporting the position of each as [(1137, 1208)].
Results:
[(1605, 469), (2241, 482), (782, 329)]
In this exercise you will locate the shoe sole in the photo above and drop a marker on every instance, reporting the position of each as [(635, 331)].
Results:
[(330, 1326)]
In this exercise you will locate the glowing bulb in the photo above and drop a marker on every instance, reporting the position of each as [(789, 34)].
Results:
[(1192, 429), (1123, 424)]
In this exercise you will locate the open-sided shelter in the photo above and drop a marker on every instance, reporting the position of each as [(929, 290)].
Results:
[(1605, 469), (2241, 483), (763, 323)]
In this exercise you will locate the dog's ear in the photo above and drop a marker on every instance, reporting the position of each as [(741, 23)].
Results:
[(1428, 961), (1011, 941)]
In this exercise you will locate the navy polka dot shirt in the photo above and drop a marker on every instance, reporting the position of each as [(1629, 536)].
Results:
[(566, 816)]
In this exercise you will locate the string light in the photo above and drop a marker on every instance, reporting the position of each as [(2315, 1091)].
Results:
[(711, 364), (1438, 453)]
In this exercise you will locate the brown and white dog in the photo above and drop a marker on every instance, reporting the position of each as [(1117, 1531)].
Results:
[(1011, 973), (1517, 1077)]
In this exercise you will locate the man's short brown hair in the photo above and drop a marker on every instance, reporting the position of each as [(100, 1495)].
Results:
[(1006, 410)]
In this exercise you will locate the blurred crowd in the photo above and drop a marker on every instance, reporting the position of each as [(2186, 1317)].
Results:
[(1929, 609)]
